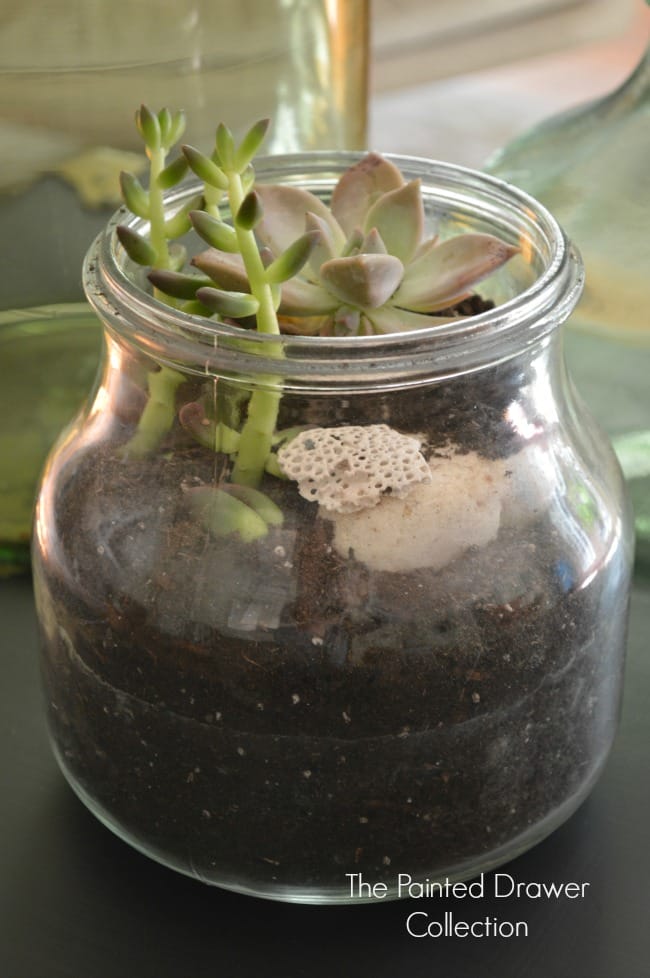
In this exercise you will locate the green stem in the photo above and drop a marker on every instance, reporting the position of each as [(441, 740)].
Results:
[(212, 200), (158, 414), (267, 321), (259, 428), (256, 438), (157, 234), (160, 409)]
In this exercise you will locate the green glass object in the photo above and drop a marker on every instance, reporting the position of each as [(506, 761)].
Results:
[(49, 357), (590, 166)]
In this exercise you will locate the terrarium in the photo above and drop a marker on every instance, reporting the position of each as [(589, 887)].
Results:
[(351, 596)]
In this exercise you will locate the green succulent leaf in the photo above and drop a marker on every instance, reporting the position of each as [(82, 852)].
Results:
[(177, 127), (165, 123), (250, 144), (195, 308), (173, 173), (222, 513), (250, 212), (363, 281), (205, 168), (445, 274), (225, 146), (148, 127), (177, 284), (248, 179), (233, 305), (136, 246), (293, 259), (217, 233), (134, 195), (177, 256), (398, 217), (359, 188), (180, 223), (265, 507)]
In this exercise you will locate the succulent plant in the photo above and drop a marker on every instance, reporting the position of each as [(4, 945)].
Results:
[(369, 268), (238, 506), (281, 259)]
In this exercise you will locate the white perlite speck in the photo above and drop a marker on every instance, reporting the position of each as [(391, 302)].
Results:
[(348, 469)]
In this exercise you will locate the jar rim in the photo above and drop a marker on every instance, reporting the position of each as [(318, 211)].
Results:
[(391, 360)]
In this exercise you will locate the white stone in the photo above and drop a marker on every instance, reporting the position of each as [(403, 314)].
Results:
[(459, 507)]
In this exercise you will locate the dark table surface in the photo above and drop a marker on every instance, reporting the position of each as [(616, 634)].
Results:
[(75, 902)]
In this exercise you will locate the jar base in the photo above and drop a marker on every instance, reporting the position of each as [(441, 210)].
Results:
[(466, 870)]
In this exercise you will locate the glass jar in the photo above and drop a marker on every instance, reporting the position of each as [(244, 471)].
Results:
[(426, 686)]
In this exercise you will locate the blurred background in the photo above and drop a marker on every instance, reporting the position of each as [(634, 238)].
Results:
[(457, 79)]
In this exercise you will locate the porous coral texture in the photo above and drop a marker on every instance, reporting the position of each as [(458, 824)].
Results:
[(457, 508), (349, 469)]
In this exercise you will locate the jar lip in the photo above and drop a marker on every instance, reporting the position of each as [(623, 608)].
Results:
[(201, 345)]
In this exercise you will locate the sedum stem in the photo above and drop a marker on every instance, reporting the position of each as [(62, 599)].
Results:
[(259, 428), (267, 321), (159, 411), (157, 234)]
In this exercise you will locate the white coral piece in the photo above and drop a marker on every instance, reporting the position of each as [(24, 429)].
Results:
[(348, 469)]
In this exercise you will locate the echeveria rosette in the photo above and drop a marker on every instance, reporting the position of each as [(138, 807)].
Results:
[(372, 270)]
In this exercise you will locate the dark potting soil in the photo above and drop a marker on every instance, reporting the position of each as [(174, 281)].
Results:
[(275, 715)]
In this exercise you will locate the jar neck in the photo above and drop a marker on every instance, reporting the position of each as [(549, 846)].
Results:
[(535, 293)]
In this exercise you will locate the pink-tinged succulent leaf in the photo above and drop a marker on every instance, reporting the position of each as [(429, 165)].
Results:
[(391, 320), (353, 243), (398, 216), (303, 325), (373, 244), (426, 247), (447, 273), (285, 215), (324, 249), (227, 271), (347, 321), (365, 281), (300, 298), (366, 327), (360, 187)]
